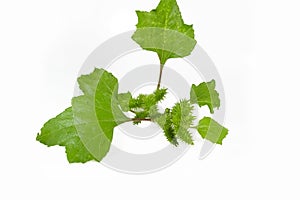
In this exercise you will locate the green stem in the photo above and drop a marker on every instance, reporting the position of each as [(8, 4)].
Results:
[(132, 111), (140, 119), (160, 75)]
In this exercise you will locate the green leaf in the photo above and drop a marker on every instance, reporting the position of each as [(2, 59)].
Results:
[(212, 130), (182, 119), (124, 99), (97, 111), (62, 131), (163, 31), (205, 94)]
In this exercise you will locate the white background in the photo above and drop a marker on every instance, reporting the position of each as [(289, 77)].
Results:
[(256, 50)]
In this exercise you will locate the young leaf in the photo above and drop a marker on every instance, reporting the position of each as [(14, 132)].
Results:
[(62, 131), (205, 94), (96, 112), (163, 31), (211, 130)]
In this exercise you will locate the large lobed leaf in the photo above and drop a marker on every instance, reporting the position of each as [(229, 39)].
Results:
[(96, 112), (86, 128), (163, 31)]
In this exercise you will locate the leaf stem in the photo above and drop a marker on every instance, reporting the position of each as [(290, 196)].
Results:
[(160, 75), (132, 111), (140, 119)]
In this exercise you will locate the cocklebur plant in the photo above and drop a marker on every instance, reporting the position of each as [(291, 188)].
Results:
[(86, 128)]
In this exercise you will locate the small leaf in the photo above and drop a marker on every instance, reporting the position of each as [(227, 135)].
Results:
[(124, 99), (211, 130), (97, 112), (205, 94), (163, 31), (62, 131)]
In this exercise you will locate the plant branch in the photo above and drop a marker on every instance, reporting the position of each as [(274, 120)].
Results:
[(140, 119), (160, 75), (132, 111)]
